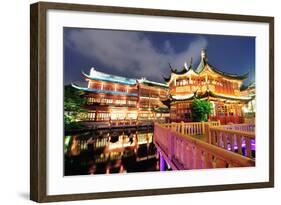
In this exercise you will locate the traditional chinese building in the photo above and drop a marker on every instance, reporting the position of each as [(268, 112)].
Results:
[(249, 110), (111, 98), (206, 82)]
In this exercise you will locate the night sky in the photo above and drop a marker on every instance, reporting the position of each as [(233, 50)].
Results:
[(147, 54)]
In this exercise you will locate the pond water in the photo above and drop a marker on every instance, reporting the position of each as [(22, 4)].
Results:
[(110, 151)]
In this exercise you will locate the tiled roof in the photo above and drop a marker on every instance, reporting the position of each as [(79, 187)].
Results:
[(97, 75), (104, 91)]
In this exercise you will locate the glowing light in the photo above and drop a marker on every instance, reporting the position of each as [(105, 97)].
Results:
[(74, 147), (182, 97), (67, 141), (245, 109), (253, 146)]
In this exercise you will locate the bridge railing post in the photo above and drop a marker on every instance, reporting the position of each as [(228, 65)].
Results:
[(170, 145), (203, 124), (182, 127), (207, 132)]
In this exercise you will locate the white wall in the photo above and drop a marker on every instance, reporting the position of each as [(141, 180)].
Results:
[(14, 121)]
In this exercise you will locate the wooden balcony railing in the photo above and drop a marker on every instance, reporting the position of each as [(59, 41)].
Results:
[(190, 128), (182, 151), (235, 138), (224, 120), (247, 127)]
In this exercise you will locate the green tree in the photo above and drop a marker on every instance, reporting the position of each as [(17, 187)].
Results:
[(200, 109), (72, 107)]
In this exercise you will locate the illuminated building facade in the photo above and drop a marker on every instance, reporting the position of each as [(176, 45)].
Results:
[(206, 82), (111, 98), (249, 109)]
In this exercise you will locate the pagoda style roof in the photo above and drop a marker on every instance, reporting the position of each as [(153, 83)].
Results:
[(163, 109), (182, 71), (206, 94), (97, 75), (167, 101), (249, 86), (152, 83), (91, 90), (204, 64), (167, 79)]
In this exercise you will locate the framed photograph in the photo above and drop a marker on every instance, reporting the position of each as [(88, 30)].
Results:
[(136, 102)]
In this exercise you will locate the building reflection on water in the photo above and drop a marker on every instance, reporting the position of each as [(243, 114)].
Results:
[(106, 152)]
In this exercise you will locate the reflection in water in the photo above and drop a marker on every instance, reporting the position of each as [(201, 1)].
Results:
[(115, 151)]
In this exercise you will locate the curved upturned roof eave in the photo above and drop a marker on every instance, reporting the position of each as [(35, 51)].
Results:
[(190, 69), (183, 97), (229, 75), (167, 79), (201, 67), (148, 82), (124, 81), (249, 86), (183, 71), (246, 99)]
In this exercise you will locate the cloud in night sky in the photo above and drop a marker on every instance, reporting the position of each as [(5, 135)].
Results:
[(133, 53)]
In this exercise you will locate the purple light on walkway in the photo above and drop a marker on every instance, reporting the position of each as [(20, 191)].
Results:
[(162, 162), (253, 146)]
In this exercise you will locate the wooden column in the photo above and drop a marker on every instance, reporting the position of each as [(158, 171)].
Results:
[(248, 147), (207, 133), (239, 143)]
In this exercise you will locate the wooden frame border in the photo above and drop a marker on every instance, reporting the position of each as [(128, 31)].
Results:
[(38, 101)]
